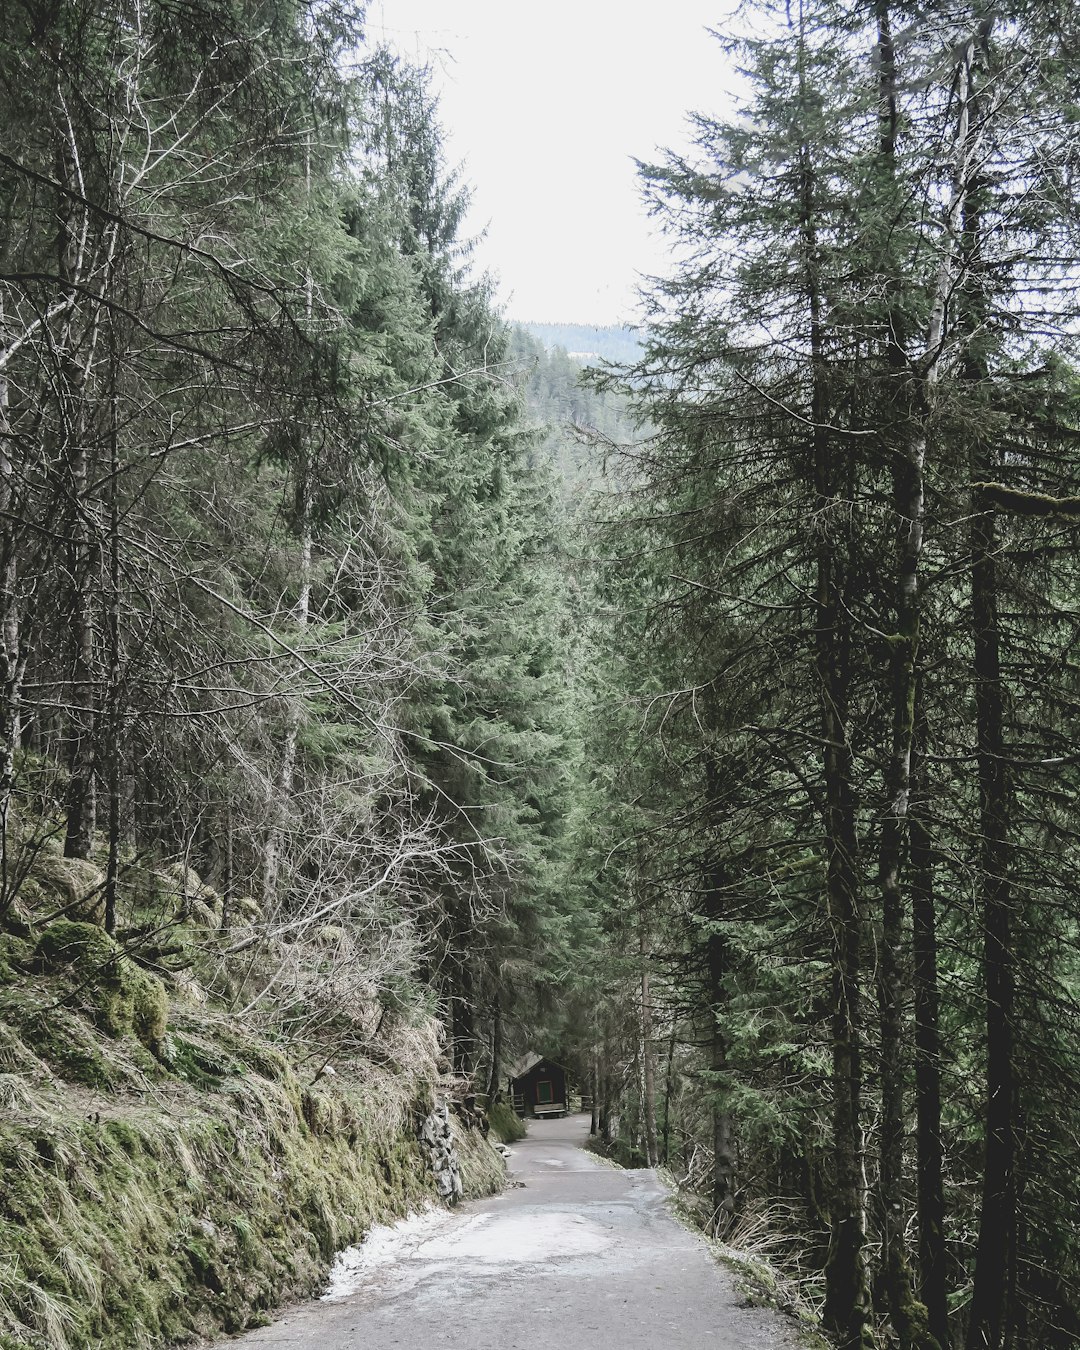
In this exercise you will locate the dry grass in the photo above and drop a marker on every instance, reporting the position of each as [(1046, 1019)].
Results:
[(756, 1246)]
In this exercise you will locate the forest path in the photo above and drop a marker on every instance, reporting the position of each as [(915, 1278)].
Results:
[(579, 1255)]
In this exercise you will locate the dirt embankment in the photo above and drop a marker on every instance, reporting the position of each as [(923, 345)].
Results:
[(169, 1171)]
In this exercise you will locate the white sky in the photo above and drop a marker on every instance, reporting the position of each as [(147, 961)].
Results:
[(545, 105)]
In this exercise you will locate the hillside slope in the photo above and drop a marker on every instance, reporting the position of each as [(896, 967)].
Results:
[(169, 1170)]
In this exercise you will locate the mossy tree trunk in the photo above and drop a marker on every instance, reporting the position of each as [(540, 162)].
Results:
[(993, 1296), (717, 956)]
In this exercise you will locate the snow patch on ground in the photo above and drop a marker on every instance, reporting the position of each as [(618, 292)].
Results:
[(504, 1239), (384, 1245)]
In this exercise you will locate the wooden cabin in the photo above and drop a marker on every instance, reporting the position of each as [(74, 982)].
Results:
[(539, 1087)]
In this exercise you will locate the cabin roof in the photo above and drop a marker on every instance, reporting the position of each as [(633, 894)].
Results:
[(527, 1061)]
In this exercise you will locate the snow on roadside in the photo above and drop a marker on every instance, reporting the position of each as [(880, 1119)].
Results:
[(383, 1245)]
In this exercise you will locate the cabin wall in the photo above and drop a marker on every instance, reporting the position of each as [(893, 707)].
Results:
[(528, 1086)]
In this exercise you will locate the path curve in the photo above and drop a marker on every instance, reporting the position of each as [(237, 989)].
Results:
[(579, 1256)]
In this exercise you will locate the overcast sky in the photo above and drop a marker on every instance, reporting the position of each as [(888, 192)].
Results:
[(546, 105)]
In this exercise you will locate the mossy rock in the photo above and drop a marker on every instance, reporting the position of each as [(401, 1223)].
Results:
[(186, 876), (505, 1123), (78, 883), (201, 915), (149, 892), (187, 885), (267, 1062), (71, 942), (15, 950), (65, 1042), (483, 1171), (28, 901), (188, 988), (150, 1007), (204, 1068), (122, 997)]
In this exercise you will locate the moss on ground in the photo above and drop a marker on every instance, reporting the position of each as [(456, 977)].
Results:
[(483, 1171), (505, 1123), (138, 1220), (168, 1172), (761, 1283), (121, 997)]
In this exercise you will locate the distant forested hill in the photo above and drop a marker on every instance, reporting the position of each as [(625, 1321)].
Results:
[(611, 343), (578, 420)]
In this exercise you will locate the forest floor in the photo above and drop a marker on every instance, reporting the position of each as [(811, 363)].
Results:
[(577, 1253)]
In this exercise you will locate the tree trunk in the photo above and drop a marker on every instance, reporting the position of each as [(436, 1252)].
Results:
[(463, 1006), (929, 1168), (495, 1067), (669, 1095), (847, 1296), (605, 1089), (279, 807), (723, 1191), (112, 707), (648, 1057), (908, 408), (228, 870), (717, 970), (76, 355), (993, 1295), (993, 1298), (11, 661)]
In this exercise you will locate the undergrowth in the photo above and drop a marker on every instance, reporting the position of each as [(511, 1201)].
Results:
[(752, 1249)]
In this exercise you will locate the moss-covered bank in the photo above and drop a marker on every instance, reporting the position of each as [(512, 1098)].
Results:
[(507, 1126), (166, 1172)]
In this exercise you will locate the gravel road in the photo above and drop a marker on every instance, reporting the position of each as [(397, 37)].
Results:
[(580, 1255)]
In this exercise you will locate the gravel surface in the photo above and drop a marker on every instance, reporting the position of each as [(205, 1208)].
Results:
[(579, 1256)]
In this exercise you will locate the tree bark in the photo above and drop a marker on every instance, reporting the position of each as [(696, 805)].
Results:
[(11, 659), (279, 807), (717, 972), (669, 1095), (723, 1191), (113, 702), (929, 1166), (605, 1088), (648, 1056), (911, 401), (81, 802), (463, 1039), (228, 869), (594, 1076), (993, 1299), (495, 1067), (847, 1297)]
